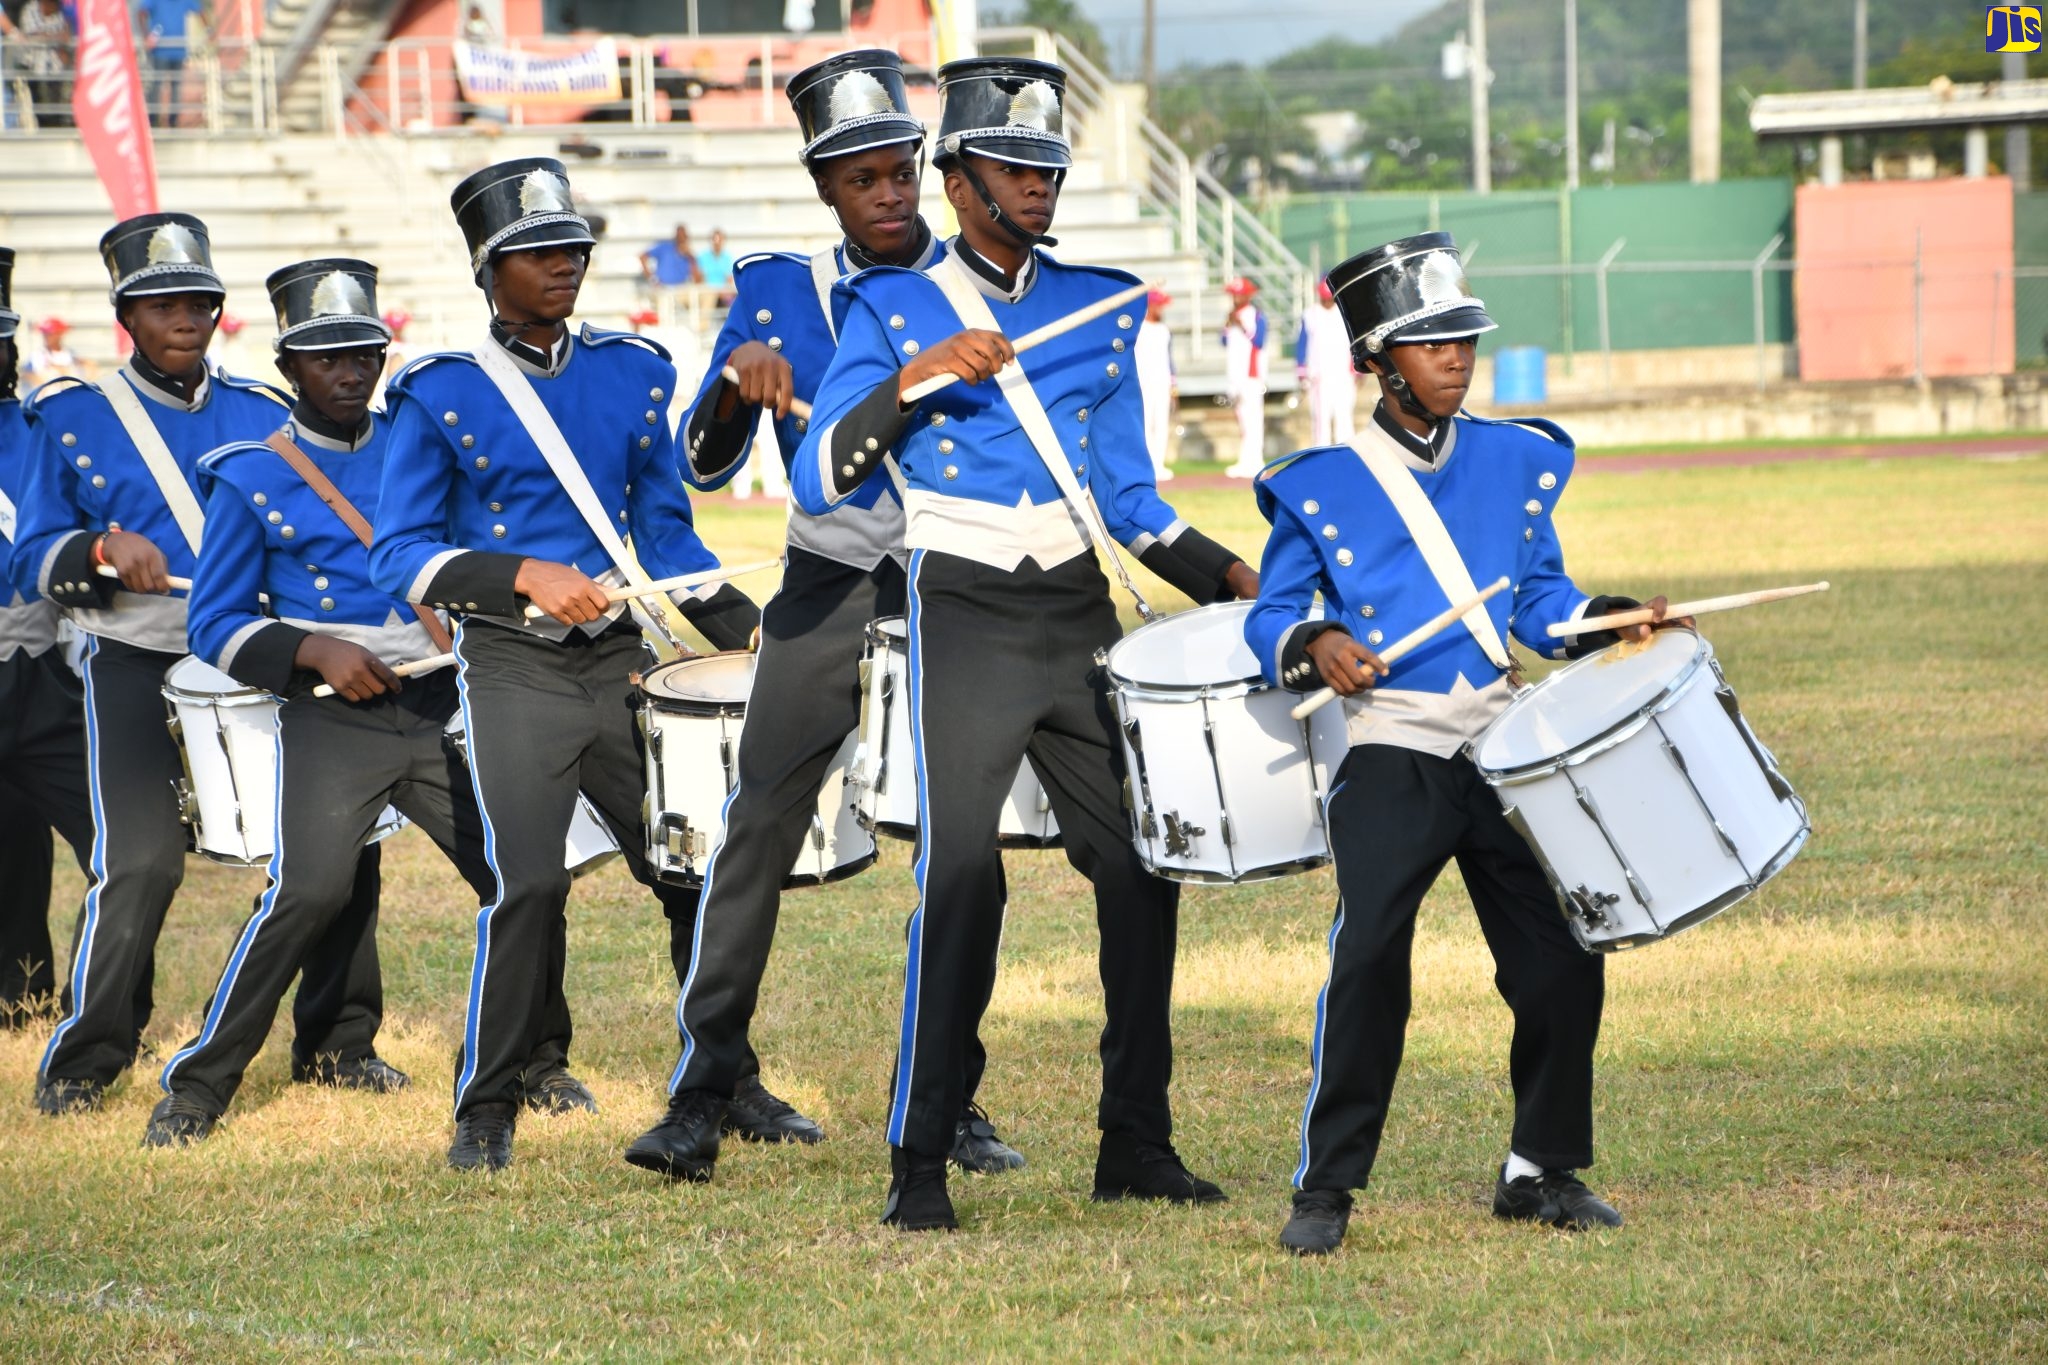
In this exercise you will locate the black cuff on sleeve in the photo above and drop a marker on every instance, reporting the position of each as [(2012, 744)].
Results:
[(477, 581), (1600, 639), (727, 618), (714, 444), (265, 659), (869, 431), (1194, 564), (1297, 670), (75, 580)]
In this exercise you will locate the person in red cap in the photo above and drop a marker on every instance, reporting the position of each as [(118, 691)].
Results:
[(1152, 354), (52, 358), (1244, 370), (1322, 368)]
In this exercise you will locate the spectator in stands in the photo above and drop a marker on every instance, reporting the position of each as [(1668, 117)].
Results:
[(164, 25), (669, 265), (1158, 384), (43, 35), (715, 266), (52, 358), (397, 354)]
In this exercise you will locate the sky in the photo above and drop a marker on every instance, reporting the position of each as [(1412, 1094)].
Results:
[(1194, 32)]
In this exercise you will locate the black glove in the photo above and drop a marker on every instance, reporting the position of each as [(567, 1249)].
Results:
[(1600, 639)]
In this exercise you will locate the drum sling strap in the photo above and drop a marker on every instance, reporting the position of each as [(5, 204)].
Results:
[(156, 456), (7, 517), (1431, 537), (654, 612), (825, 274), (324, 489), (967, 301)]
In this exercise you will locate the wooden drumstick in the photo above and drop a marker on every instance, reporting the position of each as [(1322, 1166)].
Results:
[(1436, 624), (1637, 616), (1036, 337), (426, 665), (797, 406), (682, 580), (177, 584)]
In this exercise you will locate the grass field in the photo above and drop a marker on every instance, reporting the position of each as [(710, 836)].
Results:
[(1825, 1114)]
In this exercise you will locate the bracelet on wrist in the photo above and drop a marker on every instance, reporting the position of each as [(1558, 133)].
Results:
[(99, 547)]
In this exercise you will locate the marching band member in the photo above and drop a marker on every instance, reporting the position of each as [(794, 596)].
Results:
[(1323, 369), (515, 472), (1389, 530), (1152, 355), (1244, 375), (110, 482), (42, 744), (840, 572), (276, 528), (1006, 610)]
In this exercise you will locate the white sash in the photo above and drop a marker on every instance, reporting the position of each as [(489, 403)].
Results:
[(540, 427), (825, 274), (954, 282), (157, 457), (1426, 528), (7, 517)]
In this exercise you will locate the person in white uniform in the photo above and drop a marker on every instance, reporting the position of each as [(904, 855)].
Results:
[(1244, 368), (1152, 354), (1322, 367)]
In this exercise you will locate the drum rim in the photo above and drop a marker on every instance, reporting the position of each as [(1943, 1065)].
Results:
[(706, 705), (1250, 682), (877, 633), (240, 695), (1597, 744)]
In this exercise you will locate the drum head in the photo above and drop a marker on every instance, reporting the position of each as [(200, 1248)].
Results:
[(195, 676), (1587, 698), (712, 680), (1200, 648), (894, 629)]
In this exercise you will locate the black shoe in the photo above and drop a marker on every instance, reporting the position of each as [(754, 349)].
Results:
[(1126, 1168), (59, 1095), (1555, 1197), (1316, 1226), (483, 1137), (684, 1145), (555, 1091), (977, 1149), (758, 1116), (178, 1121), (917, 1193), (371, 1073)]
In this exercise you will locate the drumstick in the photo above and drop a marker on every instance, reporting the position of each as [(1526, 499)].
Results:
[(681, 580), (1637, 616), (1441, 621), (1046, 333), (177, 584), (798, 406), (426, 665)]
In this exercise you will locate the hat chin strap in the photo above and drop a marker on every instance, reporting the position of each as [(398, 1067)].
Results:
[(1404, 396), (1017, 231)]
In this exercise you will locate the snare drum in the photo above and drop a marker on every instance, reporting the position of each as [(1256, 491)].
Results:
[(884, 774), (587, 846), (1649, 801), (691, 712), (227, 734), (1222, 783)]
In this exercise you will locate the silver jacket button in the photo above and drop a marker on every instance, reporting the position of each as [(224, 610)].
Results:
[(1533, 507), (896, 321), (1344, 558), (498, 531), (1311, 507), (320, 583), (327, 604), (1373, 637), (764, 317), (450, 418), (910, 346), (952, 471), (1368, 611), (287, 532), (945, 445), (276, 518), (1546, 481), (483, 462), (469, 442), (1330, 531)]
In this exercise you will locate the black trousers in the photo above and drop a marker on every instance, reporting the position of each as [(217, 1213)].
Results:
[(42, 784), (137, 862), (1396, 817), (1002, 665), (339, 764), (545, 720)]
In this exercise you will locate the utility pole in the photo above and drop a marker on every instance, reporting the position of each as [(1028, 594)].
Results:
[(1151, 58), (1571, 94), (1703, 54), (1482, 131), (2019, 149), (1859, 49)]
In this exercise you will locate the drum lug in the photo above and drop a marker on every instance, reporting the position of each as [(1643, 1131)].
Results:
[(1131, 734), (1180, 836), (1229, 839), (817, 832), (1102, 658), (1671, 752), (188, 802), (1591, 906), (1779, 786), (1635, 884)]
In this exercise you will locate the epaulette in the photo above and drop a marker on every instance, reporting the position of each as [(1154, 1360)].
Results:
[(1283, 462), (400, 380), (1541, 426), (758, 257), (268, 390), (212, 462), (50, 388), (602, 336), (1124, 278)]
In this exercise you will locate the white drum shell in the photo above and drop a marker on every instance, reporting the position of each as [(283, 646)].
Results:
[(228, 734), (1224, 786), (693, 745), (884, 775), (1668, 815)]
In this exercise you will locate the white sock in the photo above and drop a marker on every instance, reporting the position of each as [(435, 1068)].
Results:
[(1519, 1166)]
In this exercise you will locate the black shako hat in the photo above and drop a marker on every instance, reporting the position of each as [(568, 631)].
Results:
[(10, 320), (326, 305), (851, 102), (1008, 108), (159, 253), (518, 205), (1407, 291)]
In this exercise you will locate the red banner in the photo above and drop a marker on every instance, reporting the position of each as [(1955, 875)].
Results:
[(107, 102)]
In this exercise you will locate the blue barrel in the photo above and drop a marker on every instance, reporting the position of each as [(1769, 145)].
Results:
[(1518, 375)]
